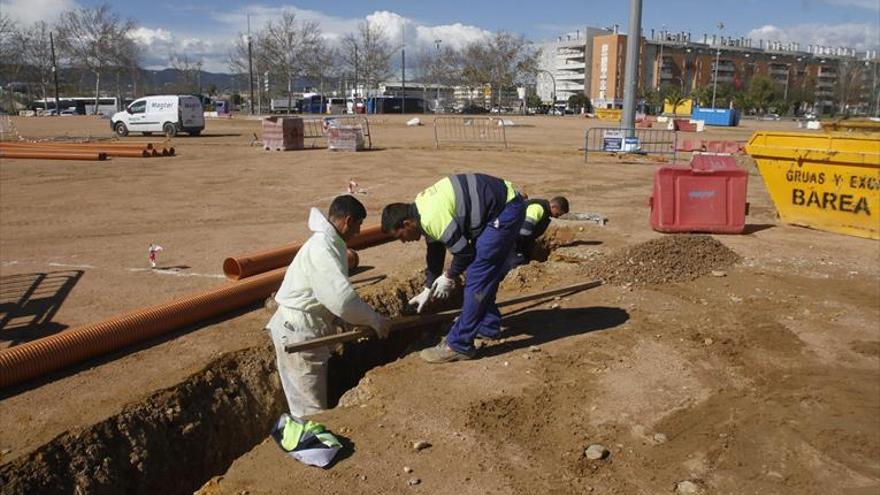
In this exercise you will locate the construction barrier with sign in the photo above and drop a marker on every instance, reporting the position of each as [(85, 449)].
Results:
[(823, 181), (655, 143)]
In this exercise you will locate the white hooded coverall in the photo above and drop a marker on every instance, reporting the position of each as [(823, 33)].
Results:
[(314, 291)]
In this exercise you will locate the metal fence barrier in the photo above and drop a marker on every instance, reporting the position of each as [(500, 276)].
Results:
[(316, 128), (635, 141), (469, 130)]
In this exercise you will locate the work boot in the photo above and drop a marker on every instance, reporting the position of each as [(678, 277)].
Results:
[(442, 353)]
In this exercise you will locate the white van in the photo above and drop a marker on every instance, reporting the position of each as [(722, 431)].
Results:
[(166, 114)]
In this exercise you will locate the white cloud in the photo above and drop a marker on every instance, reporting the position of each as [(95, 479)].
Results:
[(30, 11), (864, 4), (158, 43), (455, 35), (848, 35), (145, 36)]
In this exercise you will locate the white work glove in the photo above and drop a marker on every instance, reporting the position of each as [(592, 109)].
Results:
[(442, 287), (382, 326), (421, 299)]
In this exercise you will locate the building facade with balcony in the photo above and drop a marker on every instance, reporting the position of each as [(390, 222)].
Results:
[(565, 66), (839, 79)]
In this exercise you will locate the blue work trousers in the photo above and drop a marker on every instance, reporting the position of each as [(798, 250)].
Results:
[(479, 314)]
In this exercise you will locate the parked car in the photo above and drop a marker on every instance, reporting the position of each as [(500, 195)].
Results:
[(473, 109), (169, 114)]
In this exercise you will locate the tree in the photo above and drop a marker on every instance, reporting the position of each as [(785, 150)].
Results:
[(440, 66), (702, 96), (762, 92), (188, 71), (534, 101), (502, 62), (289, 45), (579, 100), (89, 38), (35, 52), (802, 93), (651, 98), (848, 86), (10, 55), (8, 31), (323, 65), (672, 94), (367, 53)]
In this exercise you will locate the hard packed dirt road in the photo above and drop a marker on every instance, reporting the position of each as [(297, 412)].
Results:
[(705, 364)]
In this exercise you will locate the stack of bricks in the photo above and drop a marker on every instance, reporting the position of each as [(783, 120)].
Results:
[(283, 133), (345, 138)]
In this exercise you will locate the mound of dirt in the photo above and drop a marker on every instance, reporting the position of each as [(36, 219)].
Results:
[(390, 296), (672, 258)]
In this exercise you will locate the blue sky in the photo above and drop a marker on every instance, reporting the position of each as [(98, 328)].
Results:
[(206, 28)]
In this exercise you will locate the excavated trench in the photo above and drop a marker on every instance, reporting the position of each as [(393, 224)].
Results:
[(178, 438)]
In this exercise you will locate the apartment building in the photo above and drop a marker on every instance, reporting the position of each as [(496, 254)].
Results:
[(838, 79), (565, 65)]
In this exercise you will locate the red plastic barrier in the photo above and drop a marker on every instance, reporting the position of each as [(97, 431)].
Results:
[(708, 196)]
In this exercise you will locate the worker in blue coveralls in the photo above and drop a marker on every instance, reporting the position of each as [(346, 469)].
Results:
[(476, 217), (539, 212)]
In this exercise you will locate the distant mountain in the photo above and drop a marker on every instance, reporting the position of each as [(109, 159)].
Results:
[(170, 77)]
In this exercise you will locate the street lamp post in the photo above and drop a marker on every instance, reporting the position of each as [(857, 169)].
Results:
[(660, 65), (553, 80), (437, 102), (250, 64), (403, 65), (717, 61), (631, 70)]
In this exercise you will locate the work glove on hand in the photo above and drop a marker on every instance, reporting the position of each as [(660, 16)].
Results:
[(421, 299), (382, 326), (442, 287)]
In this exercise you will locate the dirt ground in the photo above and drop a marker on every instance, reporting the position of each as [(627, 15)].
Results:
[(724, 364)]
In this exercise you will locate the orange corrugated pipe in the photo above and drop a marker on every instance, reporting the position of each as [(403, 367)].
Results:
[(154, 151), (30, 360), (250, 264), (44, 155), (119, 151), (107, 152)]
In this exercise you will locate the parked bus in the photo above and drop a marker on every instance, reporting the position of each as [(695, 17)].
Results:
[(78, 105), (336, 106)]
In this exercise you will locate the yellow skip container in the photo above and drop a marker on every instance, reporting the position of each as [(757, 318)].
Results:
[(825, 181)]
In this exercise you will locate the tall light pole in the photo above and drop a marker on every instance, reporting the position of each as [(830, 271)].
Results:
[(250, 63), (631, 79), (660, 65), (437, 103), (553, 80), (55, 74), (717, 61), (403, 66)]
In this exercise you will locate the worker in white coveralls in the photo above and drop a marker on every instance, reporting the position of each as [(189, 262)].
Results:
[(314, 293)]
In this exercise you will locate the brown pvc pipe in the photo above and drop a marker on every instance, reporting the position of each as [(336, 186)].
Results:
[(110, 150), (250, 264), (44, 155), (30, 360), (48, 144), (107, 152)]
